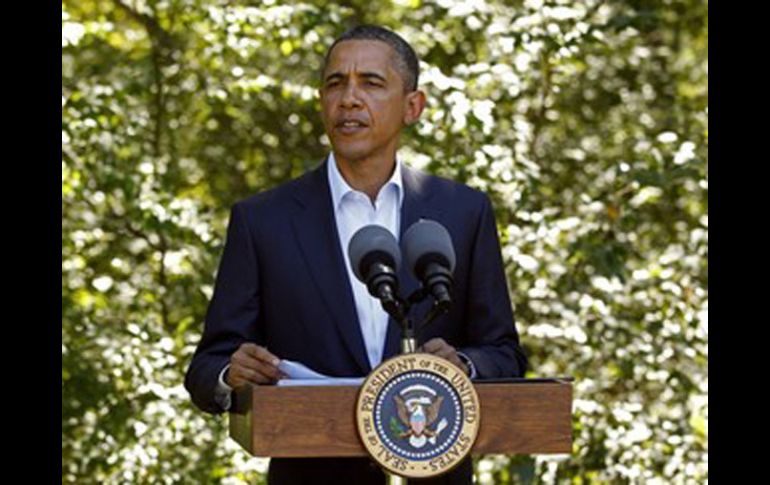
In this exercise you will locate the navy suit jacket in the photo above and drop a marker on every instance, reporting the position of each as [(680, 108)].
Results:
[(282, 284)]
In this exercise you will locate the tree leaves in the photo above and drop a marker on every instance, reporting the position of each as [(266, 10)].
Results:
[(586, 123)]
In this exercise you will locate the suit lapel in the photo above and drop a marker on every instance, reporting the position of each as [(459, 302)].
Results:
[(316, 231)]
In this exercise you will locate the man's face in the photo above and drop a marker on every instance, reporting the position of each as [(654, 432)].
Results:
[(364, 104)]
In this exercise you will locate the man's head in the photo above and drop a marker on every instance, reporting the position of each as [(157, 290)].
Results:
[(368, 94), (405, 59)]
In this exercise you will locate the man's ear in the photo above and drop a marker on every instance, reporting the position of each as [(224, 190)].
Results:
[(415, 104)]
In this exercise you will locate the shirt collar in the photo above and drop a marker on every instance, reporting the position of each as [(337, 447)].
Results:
[(339, 186)]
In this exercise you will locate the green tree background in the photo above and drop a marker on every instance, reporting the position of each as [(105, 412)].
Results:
[(587, 123)]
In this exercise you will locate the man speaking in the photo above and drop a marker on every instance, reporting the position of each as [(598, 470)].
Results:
[(285, 288)]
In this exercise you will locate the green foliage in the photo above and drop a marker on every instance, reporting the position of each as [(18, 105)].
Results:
[(585, 121)]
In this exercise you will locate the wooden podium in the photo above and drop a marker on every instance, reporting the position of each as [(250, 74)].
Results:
[(521, 416)]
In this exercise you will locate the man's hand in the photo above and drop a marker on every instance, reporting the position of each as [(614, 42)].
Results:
[(437, 346), (252, 364)]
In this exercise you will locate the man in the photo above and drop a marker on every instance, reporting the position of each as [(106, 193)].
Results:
[(285, 289)]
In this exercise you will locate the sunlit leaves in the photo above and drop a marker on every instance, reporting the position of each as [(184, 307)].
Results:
[(586, 122)]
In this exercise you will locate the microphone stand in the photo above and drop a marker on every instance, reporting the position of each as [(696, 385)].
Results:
[(408, 329), (399, 310)]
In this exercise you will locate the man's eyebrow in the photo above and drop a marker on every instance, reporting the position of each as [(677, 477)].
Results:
[(334, 75), (367, 75), (371, 74)]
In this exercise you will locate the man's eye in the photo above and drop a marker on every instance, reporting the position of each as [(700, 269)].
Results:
[(373, 83)]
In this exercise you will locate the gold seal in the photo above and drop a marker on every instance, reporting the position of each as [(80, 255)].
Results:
[(418, 415)]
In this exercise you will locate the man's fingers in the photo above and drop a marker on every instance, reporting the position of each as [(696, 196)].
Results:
[(244, 360), (264, 355), (250, 364), (253, 363), (270, 371), (447, 353), (434, 345), (257, 352), (237, 376), (439, 347), (450, 354), (249, 349), (250, 375), (241, 375)]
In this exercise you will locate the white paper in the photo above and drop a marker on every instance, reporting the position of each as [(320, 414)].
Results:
[(330, 381), (301, 375)]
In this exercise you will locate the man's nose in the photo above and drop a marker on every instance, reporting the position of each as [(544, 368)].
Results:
[(350, 96)]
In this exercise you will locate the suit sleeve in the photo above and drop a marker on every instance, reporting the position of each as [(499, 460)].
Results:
[(493, 342), (232, 317)]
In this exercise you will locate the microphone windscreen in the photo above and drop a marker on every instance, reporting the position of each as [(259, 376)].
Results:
[(428, 239), (370, 242)]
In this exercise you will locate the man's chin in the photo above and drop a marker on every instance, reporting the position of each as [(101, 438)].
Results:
[(350, 154)]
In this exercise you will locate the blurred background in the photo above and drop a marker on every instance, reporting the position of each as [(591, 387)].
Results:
[(586, 122)]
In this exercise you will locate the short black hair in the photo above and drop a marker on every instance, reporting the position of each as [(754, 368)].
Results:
[(406, 59)]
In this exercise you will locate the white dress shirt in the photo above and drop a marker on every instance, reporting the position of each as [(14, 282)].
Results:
[(352, 211)]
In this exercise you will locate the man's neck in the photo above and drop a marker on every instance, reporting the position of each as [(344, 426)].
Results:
[(367, 176)]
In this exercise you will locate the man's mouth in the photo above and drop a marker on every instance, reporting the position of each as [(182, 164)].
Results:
[(349, 127)]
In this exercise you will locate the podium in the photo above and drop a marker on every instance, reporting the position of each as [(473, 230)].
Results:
[(518, 416)]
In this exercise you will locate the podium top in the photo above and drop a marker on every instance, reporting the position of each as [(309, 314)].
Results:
[(519, 415)]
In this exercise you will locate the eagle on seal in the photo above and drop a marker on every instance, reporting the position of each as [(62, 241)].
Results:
[(418, 416)]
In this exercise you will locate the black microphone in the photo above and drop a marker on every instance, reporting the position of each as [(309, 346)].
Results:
[(430, 256), (376, 258)]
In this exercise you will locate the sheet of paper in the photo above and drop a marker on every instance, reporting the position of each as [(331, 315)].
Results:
[(301, 375), (331, 381)]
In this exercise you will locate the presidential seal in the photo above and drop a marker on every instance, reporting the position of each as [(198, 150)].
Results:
[(417, 415)]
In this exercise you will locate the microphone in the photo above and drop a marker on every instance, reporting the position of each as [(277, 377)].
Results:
[(430, 256), (376, 258)]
